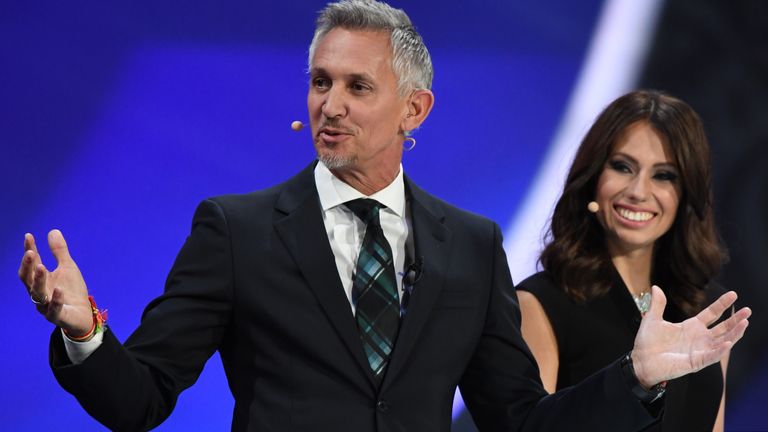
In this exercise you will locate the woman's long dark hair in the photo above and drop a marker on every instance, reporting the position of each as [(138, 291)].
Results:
[(685, 258)]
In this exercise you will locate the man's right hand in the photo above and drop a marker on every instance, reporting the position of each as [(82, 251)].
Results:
[(61, 295)]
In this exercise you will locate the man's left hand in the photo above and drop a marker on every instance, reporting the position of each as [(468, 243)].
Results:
[(665, 350)]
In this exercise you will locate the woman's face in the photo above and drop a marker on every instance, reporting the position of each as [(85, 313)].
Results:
[(638, 191)]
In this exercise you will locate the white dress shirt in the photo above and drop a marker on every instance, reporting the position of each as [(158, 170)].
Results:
[(346, 231), (345, 234)]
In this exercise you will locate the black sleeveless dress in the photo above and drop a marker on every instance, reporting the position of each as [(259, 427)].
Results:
[(593, 334)]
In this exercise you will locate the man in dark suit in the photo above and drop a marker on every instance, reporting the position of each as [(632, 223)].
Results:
[(347, 298)]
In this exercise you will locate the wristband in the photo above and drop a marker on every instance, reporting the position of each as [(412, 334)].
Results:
[(647, 396), (99, 322)]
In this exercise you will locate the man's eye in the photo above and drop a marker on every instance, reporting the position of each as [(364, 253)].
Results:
[(360, 87), (320, 83)]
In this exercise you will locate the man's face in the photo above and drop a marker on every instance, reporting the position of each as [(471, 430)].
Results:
[(354, 106)]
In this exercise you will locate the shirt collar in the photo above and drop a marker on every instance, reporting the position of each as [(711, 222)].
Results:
[(334, 192)]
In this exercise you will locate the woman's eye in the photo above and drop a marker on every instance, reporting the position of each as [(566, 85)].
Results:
[(665, 176), (619, 166)]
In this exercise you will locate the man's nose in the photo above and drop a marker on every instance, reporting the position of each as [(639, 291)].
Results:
[(334, 104)]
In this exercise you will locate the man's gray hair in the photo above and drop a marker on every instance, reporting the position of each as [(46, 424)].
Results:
[(410, 59)]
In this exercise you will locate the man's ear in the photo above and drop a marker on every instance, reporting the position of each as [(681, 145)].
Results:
[(419, 105)]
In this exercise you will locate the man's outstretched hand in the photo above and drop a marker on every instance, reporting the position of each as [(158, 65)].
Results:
[(61, 295), (665, 350)]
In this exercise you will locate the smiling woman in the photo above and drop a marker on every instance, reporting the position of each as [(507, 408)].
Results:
[(636, 211), (637, 192)]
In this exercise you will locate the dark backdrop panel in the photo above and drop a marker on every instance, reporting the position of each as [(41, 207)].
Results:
[(714, 55)]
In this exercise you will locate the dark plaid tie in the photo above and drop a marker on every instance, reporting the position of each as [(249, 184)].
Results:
[(374, 289)]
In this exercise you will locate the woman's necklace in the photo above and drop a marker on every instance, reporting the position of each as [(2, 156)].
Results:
[(642, 301)]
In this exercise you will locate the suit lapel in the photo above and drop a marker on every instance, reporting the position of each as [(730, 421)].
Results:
[(431, 241), (299, 223)]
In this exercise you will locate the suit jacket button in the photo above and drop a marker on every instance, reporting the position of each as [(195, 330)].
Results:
[(382, 406)]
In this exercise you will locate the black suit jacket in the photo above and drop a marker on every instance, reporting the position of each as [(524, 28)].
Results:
[(256, 280)]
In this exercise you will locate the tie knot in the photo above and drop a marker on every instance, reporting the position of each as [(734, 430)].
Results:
[(366, 209)]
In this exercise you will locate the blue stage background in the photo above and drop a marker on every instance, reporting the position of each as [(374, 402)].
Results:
[(117, 119)]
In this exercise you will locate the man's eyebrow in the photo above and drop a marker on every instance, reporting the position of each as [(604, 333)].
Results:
[(317, 71), (361, 76)]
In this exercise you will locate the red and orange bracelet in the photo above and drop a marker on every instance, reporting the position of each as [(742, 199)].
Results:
[(99, 320)]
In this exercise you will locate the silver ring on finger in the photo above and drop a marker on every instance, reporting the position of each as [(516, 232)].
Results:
[(42, 302)]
